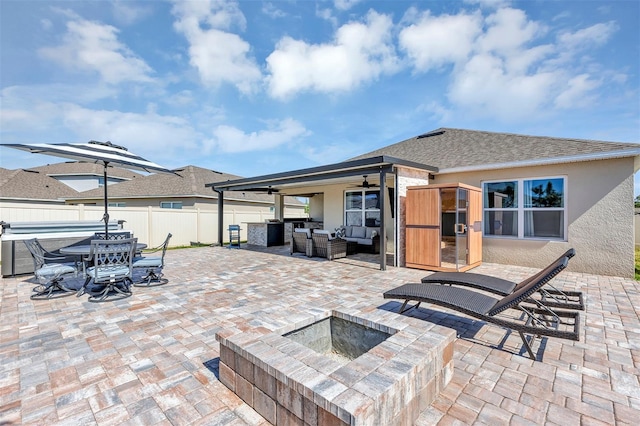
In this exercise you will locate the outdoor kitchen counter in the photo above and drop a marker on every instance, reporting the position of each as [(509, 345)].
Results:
[(265, 234)]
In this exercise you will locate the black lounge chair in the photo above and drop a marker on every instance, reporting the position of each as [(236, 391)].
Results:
[(539, 320), (552, 298)]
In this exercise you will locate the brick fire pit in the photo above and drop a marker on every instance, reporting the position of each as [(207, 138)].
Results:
[(339, 367)]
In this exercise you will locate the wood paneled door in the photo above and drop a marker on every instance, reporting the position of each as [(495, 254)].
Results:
[(444, 227)]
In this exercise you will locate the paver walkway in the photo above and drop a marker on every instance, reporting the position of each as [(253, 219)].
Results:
[(152, 358)]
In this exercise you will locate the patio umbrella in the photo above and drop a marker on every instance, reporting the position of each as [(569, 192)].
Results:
[(95, 152)]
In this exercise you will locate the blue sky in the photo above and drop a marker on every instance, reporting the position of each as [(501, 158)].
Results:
[(257, 87)]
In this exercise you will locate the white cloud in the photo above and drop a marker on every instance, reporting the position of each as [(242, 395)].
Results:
[(345, 4), (219, 56), (272, 11), (359, 53), (509, 31), (127, 13), (593, 36), (94, 47), (168, 135), (484, 86), (577, 92), (230, 139), (433, 41)]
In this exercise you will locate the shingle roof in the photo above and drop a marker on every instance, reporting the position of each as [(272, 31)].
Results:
[(190, 183), (455, 149), (33, 185)]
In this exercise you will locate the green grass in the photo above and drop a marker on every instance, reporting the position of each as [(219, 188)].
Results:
[(637, 264)]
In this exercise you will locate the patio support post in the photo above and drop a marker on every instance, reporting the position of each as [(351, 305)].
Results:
[(383, 232), (220, 215)]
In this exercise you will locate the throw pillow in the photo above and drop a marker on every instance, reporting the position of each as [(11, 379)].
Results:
[(340, 231)]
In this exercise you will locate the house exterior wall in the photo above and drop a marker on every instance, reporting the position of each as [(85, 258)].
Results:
[(600, 217)]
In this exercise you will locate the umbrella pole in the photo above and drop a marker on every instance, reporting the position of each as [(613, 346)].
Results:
[(106, 204)]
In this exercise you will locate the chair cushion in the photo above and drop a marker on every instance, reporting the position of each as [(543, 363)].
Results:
[(147, 262), (115, 272), (303, 231), (348, 230), (359, 232), (54, 270), (323, 232)]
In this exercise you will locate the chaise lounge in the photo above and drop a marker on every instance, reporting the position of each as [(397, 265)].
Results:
[(553, 298), (539, 320)]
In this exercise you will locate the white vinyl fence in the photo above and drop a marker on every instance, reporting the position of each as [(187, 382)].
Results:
[(149, 224)]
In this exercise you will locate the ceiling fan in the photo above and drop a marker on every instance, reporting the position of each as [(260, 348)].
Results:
[(366, 184)]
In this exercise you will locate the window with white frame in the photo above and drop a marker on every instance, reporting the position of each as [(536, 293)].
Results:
[(362, 208), (525, 208), (116, 204), (171, 204)]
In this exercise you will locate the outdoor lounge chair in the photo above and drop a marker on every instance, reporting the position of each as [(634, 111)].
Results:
[(49, 269), (328, 247), (539, 320), (301, 242), (552, 298), (153, 265)]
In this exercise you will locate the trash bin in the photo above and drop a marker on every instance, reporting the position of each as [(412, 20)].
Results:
[(234, 236)]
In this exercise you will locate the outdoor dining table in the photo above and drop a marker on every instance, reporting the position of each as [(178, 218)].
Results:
[(84, 249)]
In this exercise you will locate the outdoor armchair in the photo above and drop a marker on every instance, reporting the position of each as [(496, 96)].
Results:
[(153, 265), (49, 270), (324, 245), (538, 320), (301, 242), (548, 294), (111, 270)]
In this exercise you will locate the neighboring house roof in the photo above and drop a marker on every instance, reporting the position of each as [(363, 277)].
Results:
[(190, 182), (73, 168), (457, 150), (32, 184)]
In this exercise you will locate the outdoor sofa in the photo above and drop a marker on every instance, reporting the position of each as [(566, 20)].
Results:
[(367, 237)]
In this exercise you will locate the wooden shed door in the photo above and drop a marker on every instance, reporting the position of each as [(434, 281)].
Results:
[(423, 227)]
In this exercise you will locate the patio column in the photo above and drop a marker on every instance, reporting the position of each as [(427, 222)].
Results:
[(278, 200), (383, 231), (220, 216)]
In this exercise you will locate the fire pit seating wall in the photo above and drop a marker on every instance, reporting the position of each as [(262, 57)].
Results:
[(367, 237)]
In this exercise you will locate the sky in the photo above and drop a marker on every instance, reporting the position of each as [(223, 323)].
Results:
[(259, 87)]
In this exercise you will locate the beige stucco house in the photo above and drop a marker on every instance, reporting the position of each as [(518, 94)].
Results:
[(540, 195)]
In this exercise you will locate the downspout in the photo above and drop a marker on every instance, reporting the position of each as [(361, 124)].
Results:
[(383, 231), (220, 215)]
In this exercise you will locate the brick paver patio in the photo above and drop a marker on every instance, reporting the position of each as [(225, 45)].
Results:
[(153, 358)]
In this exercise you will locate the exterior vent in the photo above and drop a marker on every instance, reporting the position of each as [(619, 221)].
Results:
[(428, 135)]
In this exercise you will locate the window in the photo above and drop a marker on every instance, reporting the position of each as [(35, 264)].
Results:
[(525, 208), (117, 204), (362, 208), (171, 204)]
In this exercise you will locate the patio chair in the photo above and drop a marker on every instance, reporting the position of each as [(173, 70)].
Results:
[(553, 297), (535, 321), (301, 242), (123, 235), (112, 269), (324, 245), (153, 265), (49, 269)]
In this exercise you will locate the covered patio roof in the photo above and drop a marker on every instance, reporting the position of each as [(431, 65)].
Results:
[(331, 173), (343, 172)]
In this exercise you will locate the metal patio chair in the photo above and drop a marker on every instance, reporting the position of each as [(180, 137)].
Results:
[(112, 269), (153, 265), (49, 269)]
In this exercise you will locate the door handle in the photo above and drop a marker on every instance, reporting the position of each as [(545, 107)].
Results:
[(460, 228)]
